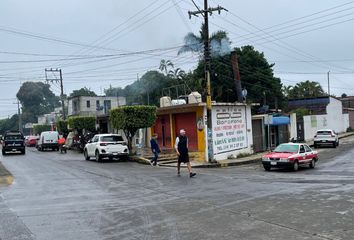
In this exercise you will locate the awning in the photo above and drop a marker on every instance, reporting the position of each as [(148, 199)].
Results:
[(277, 121)]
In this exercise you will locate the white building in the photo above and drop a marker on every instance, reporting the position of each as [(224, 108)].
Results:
[(93, 106), (326, 113)]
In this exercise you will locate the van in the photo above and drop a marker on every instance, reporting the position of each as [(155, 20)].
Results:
[(48, 140)]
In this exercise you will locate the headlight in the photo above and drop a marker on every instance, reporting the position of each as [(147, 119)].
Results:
[(265, 158)]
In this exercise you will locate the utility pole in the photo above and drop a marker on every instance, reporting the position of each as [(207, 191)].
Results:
[(205, 13), (19, 117), (329, 89), (237, 76), (53, 71)]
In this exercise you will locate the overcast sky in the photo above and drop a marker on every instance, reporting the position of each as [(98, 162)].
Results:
[(305, 39)]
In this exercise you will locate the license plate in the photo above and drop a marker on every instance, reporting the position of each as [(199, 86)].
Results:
[(115, 153), (273, 163), (324, 141), (14, 150)]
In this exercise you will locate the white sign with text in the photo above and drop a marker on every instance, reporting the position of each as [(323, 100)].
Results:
[(229, 128)]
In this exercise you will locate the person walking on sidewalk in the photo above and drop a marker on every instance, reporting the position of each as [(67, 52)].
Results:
[(155, 148), (181, 147)]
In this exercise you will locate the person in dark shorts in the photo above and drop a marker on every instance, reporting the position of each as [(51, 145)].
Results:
[(181, 147), (155, 148)]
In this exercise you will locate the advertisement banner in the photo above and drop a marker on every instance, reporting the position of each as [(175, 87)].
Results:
[(229, 128)]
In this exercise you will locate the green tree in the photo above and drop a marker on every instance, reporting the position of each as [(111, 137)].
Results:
[(306, 89), (256, 76), (62, 127), (80, 123), (39, 128), (131, 118), (36, 99), (8, 124), (114, 92), (83, 92), (219, 43), (165, 65)]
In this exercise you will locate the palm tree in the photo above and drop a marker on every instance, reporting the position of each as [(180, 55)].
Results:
[(219, 43), (177, 73), (165, 65)]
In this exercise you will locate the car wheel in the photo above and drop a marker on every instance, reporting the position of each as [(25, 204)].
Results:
[(87, 158), (98, 156), (3, 152), (23, 152), (267, 168), (337, 143), (334, 144), (315, 145), (313, 163), (296, 166)]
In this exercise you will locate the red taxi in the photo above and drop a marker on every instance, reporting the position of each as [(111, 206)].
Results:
[(290, 155)]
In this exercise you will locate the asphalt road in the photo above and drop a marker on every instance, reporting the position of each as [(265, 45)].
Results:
[(62, 196)]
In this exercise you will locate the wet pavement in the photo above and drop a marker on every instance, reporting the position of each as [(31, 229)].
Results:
[(62, 196)]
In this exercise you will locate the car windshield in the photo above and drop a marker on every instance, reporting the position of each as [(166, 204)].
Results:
[(13, 137), (324, 132), (287, 148), (112, 138)]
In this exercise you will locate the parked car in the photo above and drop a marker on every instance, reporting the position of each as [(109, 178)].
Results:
[(290, 155), (106, 146), (326, 137), (31, 141), (13, 141), (48, 140)]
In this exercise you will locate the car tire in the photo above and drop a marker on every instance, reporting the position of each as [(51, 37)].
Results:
[(295, 166), (315, 145), (98, 156), (267, 168), (313, 163), (3, 152), (337, 143), (334, 144), (87, 158), (23, 152)]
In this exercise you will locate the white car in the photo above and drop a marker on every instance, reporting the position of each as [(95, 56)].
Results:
[(106, 146), (326, 137)]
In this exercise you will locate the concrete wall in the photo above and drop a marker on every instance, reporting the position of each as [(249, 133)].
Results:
[(334, 119), (293, 126), (92, 110), (248, 142)]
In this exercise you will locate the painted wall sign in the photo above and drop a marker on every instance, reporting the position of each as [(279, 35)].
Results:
[(229, 128)]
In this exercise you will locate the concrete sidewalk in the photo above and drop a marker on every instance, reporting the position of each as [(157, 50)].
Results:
[(5, 176), (254, 158)]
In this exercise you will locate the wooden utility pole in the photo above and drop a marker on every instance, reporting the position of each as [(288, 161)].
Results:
[(20, 128), (205, 13), (61, 85), (237, 76)]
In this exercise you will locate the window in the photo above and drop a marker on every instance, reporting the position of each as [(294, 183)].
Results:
[(97, 105), (88, 104), (95, 139), (308, 149), (107, 105), (113, 138), (302, 149)]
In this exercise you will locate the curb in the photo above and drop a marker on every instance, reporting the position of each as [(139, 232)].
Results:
[(145, 161), (6, 178)]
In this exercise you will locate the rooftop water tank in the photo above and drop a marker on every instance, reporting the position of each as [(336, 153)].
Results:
[(194, 97), (165, 101), (178, 102)]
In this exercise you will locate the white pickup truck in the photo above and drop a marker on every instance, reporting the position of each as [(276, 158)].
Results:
[(326, 137)]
